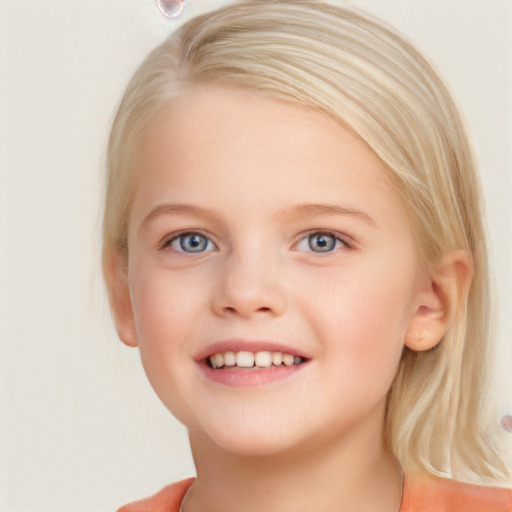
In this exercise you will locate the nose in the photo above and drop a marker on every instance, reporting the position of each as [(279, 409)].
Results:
[(247, 286)]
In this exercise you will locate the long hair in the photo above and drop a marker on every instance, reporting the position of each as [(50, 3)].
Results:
[(356, 70)]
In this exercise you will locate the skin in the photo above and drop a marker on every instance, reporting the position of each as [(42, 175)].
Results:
[(245, 165)]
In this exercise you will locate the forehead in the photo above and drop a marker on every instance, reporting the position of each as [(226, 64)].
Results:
[(226, 146)]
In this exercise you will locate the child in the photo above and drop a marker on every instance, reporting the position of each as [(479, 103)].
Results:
[(293, 238)]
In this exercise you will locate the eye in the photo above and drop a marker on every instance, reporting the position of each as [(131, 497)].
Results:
[(320, 242), (190, 243)]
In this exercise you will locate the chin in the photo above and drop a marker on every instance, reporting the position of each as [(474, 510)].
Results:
[(253, 446), (252, 438)]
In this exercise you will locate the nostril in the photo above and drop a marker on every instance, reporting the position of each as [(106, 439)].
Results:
[(264, 309)]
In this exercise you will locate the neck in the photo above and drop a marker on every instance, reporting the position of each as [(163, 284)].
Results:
[(353, 472)]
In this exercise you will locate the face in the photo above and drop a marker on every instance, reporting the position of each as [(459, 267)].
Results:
[(272, 272)]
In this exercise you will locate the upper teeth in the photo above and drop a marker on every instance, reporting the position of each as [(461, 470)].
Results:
[(246, 359)]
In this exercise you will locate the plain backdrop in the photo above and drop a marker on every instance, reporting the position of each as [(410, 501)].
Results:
[(80, 428)]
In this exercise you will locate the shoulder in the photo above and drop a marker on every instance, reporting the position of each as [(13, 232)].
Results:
[(434, 494), (167, 500)]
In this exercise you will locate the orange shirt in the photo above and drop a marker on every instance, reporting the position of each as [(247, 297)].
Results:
[(167, 500), (434, 494), (421, 494)]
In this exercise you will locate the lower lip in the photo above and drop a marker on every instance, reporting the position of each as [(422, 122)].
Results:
[(245, 377)]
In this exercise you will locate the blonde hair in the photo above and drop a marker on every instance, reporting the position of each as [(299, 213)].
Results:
[(359, 72)]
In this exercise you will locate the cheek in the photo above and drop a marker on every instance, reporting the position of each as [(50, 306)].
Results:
[(363, 322), (162, 304), (165, 314), (372, 334)]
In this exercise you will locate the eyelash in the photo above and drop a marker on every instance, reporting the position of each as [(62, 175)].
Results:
[(176, 237), (338, 241)]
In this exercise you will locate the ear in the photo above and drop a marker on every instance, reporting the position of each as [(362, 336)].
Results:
[(443, 292), (116, 277)]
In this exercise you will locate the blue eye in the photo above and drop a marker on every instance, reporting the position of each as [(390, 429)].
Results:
[(320, 242), (191, 243)]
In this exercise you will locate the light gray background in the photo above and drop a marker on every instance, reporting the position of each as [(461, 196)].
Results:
[(80, 428)]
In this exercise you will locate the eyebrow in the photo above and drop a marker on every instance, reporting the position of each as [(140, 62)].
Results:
[(300, 210), (174, 208), (304, 210)]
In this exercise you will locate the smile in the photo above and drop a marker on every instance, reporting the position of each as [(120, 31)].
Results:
[(246, 359)]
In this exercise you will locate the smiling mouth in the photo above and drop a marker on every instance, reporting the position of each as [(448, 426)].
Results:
[(248, 360)]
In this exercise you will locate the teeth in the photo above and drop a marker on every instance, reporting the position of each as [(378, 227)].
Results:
[(229, 358), (263, 359), (245, 359), (288, 359), (217, 360), (277, 358)]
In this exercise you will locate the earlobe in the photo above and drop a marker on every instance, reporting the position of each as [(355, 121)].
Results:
[(116, 278), (443, 293)]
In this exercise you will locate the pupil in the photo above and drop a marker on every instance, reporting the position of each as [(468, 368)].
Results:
[(321, 243), (193, 243)]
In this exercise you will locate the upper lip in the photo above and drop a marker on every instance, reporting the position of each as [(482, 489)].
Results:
[(238, 345)]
